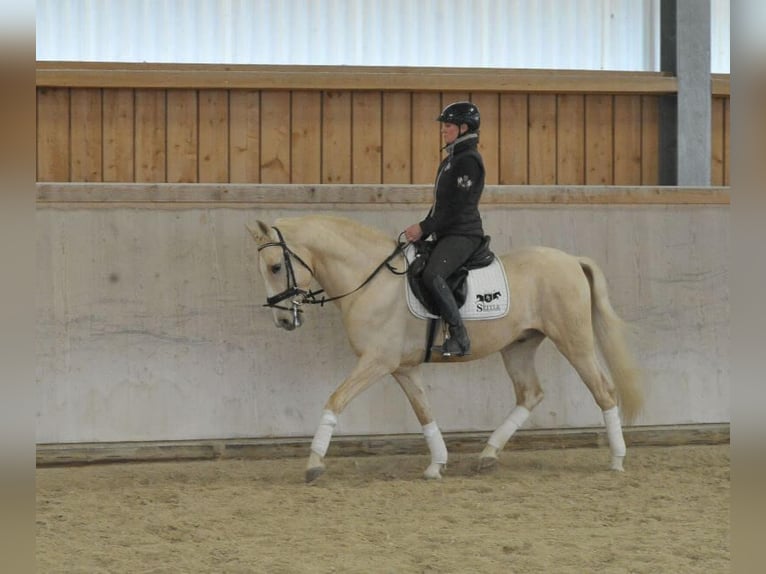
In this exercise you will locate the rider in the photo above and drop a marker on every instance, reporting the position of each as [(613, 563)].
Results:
[(454, 221)]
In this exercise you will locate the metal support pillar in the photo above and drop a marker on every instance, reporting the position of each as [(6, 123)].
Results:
[(685, 118)]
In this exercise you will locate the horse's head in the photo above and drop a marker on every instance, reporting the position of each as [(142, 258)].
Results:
[(287, 276)]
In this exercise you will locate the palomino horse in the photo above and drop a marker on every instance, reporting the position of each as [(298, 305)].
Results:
[(553, 295)]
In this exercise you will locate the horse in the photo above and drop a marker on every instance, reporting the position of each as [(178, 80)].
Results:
[(554, 294)]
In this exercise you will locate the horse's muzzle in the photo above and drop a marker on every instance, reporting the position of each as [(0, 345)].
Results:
[(293, 320)]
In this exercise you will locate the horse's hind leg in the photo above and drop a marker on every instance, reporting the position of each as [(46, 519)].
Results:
[(519, 360), (604, 393), (582, 355), (410, 381)]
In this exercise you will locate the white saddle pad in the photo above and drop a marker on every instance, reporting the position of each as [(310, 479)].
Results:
[(487, 296)]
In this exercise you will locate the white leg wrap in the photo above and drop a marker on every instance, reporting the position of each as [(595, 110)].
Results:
[(505, 431), (614, 432), (324, 433), (435, 443)]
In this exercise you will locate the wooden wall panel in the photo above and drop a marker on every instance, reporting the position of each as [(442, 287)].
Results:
[(336, 137), (119, 135), (182, 136), (531, 134), (306, 137), (426, 138), (650, 140), (86, 132), (570, 140), (627, 140), (213, 136), (53, 134), (275, 137), (151, 136), (397, 138), (366, 137), (542, 139), (489, 142), (513, 132), (599, 134), (245, 136)]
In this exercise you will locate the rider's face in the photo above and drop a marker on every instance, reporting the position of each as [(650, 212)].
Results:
[(450, 132)]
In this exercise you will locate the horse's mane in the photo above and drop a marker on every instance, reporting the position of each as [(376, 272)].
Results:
[(340, 226)]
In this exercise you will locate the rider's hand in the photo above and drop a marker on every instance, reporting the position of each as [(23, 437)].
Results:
[(413, 232)]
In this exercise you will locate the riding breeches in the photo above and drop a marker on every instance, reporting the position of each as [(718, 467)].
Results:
[(449, 253)]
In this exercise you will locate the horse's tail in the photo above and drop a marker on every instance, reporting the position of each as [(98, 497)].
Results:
[(610, 336)]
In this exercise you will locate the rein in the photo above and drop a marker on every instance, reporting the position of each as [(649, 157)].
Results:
[(300, 296)]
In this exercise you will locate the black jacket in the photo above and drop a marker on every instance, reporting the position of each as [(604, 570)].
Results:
[(457, 191)]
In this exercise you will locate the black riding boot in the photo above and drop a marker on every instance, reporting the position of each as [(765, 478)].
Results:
[(458, 343)]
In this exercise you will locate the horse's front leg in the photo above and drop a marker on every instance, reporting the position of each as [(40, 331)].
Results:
[(410, 381), (367, 371)]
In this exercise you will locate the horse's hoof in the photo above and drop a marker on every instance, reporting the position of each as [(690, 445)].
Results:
[(312, 474), (487, 463), (617, 464), (433, 472)]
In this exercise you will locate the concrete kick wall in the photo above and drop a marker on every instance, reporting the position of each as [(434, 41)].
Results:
[(150, 325)]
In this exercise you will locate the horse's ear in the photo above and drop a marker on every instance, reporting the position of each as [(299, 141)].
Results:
[(260, 233)]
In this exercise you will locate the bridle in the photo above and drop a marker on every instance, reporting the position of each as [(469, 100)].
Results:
[(300, 296)]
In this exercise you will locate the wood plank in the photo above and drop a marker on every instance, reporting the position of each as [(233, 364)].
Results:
[(627, 140), (213, 136), (343, 78), (306, 140), (245, 136), (119, 135), (426, 138), (151, 136), (366, 137), (336, 137), (721, 84), (513, 139), (650, 140), (716, 141), (275, 136), (183, 136), (489, 140), (599, 140), (397, 137), (85, 135), (542, 139), (53, 150), (170, 196), (101, 453), (457, 442), (570, 140), (726, 142)]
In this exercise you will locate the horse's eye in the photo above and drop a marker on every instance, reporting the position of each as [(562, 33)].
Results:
[(276, 268)]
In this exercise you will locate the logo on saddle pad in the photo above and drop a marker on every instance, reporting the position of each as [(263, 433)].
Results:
[(485, 302)]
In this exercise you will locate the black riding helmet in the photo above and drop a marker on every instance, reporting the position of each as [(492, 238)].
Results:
[(461, 113)]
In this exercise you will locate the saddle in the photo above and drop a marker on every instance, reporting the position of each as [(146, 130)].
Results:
[(481, 257)]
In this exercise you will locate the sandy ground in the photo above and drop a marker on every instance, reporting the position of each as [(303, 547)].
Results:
[(551, 511)]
